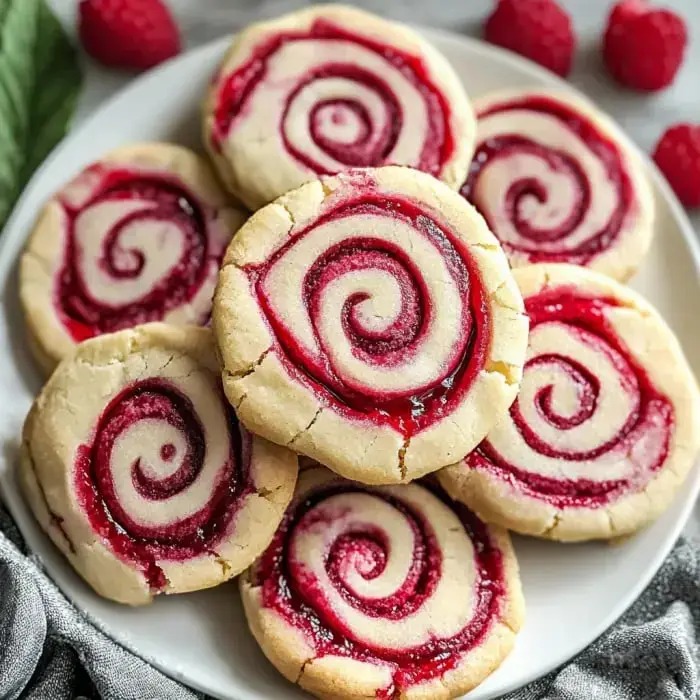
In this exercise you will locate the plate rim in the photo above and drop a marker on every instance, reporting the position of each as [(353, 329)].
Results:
[(459, 42)]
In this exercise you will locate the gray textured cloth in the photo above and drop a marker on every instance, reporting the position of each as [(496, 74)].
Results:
[(49, 652)]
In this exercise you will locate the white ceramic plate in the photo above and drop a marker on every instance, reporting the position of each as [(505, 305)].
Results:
[(573, 592)]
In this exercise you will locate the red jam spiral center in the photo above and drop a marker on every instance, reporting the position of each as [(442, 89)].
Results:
[(303, 584), (584, 401), (359, 322), (149, 452), (564, 202), (136, 250), (346, 106)]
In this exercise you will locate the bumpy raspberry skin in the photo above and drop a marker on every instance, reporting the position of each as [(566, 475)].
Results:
[(537, 29), (644, 46), (678, 156), (131, 34)]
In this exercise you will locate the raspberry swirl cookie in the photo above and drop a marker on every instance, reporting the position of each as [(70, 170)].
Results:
[(136, 237), (387, 592), (370, 321), (606, 424), (136, 466), (557, 182), (330, 88)]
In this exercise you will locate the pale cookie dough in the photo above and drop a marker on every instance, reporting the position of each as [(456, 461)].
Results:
[(369, 320), (136, 467), (137, 236), (388, 592), (607, 422), (557, 181), (330, 88)]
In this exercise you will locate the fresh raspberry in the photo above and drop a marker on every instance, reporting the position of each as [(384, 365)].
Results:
[(537, 29), (134, 34), (643, 46), (678, 156)]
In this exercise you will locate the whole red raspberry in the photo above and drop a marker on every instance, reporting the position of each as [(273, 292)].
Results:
[(134, 34), (678, 156), (643, 46), (537, 29)]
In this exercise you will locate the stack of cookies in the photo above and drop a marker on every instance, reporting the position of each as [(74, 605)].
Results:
[(418, 341)]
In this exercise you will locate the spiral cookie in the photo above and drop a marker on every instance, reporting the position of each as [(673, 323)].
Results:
[(136, 237), (557, 182), (370, 321), (135, 465), (387, 592), (330, 88), (606, 424)]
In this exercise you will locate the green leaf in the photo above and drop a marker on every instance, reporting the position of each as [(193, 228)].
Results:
[(40, 81)]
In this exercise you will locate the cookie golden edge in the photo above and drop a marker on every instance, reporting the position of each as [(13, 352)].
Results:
[(273, 405), (52, 500), (337, 678), (462, 117), (621, 260), (495, 501), (42, 256)]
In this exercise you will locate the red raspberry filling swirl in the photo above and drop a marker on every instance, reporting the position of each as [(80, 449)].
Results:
[(119, 509), (300, 583), (353, 116), (335, 335), (119, 268), (542, 202), (634, 440)]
